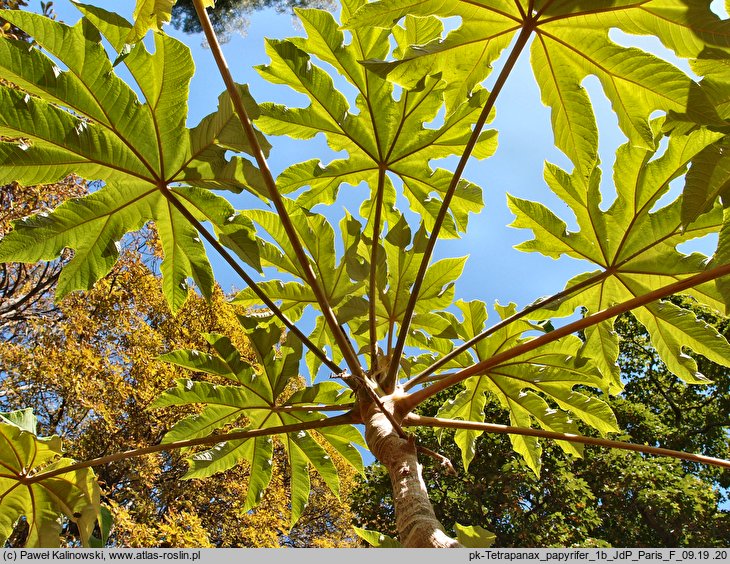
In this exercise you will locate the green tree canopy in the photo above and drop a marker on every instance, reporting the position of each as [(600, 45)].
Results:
[(606, 497)]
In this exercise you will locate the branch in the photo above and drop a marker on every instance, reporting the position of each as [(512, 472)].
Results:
[(651, 375), (233, 263), (289, 408), (440, 458), (343, 419), (421, 421), (444, 209), (419, 396), (535, 306), (708, 427), (343, 342)]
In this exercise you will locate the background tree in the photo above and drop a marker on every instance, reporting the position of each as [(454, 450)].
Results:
[(607, 497), (88, 366), (231, 16), (26, 291), (9, 30)]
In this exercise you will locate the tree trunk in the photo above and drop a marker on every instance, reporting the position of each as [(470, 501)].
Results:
[(416, 521)]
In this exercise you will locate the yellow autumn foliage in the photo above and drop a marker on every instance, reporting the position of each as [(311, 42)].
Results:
[(89, 370)]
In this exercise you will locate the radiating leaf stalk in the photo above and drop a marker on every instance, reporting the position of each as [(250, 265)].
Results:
[(423, 421), (223, 252), (420, 378), (344, 419), (292, 408), (377, 220), (341, 338), (421, 395), (444, 209)]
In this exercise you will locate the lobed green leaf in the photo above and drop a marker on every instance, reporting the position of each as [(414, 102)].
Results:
[(568, 44), (74, 495), (84, 119), (635, 246)]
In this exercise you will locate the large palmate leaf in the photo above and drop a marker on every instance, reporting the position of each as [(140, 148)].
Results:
[(383, 133), (709, 176), (43, 503), (86, 120), (318, 238), (636, 248), (570, 41), (345, 280), (261, 398), (402, 253), (340, 283), (535, 387)]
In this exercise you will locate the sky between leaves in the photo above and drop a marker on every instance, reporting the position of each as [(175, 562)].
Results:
[(525, 143)]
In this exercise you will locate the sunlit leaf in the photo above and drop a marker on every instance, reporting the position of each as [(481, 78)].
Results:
[(260, 400), (384, 131), (87, 120), (149, 14), (553, 371), (376, 539), (635, 246), (73, 495), (474, 536), (569, 42)]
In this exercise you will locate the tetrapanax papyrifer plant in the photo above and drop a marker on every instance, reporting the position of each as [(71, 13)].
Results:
[(390, 332)]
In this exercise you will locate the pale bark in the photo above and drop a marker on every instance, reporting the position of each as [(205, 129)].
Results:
[(416, 521)]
